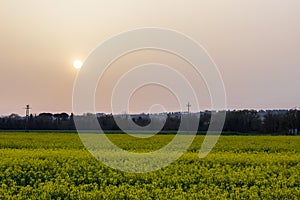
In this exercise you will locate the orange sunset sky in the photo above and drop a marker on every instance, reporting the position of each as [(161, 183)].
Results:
[(255, 44)]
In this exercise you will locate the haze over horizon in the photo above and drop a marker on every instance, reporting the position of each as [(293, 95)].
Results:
[(255, 44)]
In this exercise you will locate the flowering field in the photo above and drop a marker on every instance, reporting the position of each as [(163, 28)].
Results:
[(57, 166)]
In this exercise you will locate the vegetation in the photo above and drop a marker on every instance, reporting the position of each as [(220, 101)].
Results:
[(242, 121), (57, 166)]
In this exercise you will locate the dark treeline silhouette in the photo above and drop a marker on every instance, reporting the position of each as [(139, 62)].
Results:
[(241, 121)]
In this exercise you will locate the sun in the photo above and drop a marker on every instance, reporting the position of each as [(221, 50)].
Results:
[(77, 64)]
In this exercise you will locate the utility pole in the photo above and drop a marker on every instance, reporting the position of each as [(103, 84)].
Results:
[(188, 106)]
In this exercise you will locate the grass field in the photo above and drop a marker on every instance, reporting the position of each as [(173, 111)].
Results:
[(57, 166)]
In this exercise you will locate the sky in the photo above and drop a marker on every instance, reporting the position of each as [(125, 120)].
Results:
[(254, 43)]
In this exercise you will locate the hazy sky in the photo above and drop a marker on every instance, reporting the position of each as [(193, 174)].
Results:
[(256, 45)]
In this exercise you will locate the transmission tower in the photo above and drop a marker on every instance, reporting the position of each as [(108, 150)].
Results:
[(27, 112), (27, 108)]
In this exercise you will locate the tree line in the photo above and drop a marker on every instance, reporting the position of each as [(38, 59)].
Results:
[(240, 121)]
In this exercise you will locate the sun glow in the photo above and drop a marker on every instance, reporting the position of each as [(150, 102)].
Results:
[(77, 64)]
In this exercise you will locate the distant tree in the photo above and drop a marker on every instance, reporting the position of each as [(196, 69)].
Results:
[(272, 123), (204, 122), (243, 121), (44, 121)]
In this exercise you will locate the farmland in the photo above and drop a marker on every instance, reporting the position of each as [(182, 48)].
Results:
[(57, 166)]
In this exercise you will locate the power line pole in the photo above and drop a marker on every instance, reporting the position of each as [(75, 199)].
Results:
[(188, 106)]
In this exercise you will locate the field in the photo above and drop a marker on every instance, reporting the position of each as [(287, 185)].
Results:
[(57, 166)]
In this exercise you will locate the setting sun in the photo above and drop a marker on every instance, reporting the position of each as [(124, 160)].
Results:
[(77, 64)]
